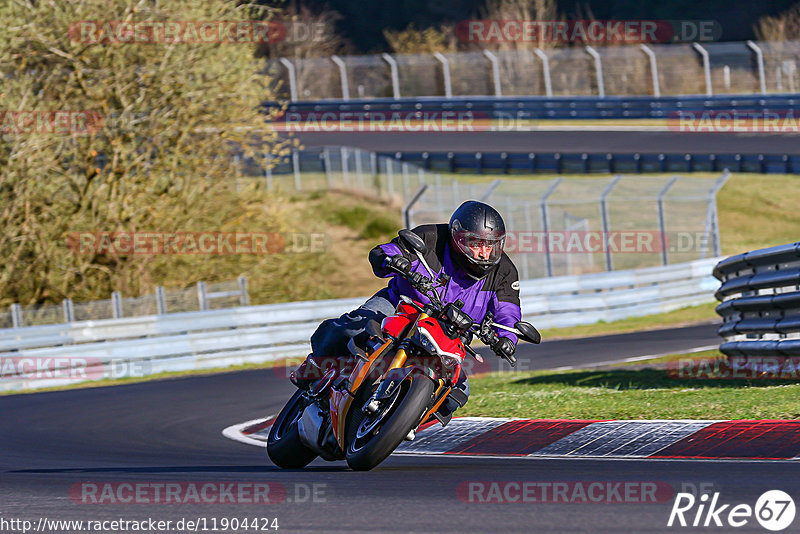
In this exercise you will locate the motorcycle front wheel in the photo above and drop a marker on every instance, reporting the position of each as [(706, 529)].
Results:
[(377, 436), (284, 447)]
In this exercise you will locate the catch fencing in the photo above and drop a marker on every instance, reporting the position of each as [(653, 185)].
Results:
[(653, 69), (577, 226), (219, 338), (677, 216), (339, 168), (201, 297), (760, 302)]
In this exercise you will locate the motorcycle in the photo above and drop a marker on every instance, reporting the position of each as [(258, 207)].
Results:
[(362, 411)]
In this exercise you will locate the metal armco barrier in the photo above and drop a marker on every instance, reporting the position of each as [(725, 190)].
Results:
[(573, 107), (596, 163), (249, 334), (760, 307)]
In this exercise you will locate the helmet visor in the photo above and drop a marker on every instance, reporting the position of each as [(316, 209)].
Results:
[(483, 248)]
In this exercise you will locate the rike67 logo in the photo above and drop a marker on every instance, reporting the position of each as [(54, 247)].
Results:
[(774, 510)]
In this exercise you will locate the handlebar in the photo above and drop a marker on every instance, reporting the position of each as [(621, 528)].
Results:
[(483, 330)]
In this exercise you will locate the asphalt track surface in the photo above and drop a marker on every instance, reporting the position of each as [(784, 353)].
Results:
[(169, 431), (625, 142)]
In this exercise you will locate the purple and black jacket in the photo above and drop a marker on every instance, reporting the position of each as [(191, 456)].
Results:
[(497, 292)]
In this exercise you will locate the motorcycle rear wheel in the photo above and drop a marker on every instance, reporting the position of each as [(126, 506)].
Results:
[(284, 447), (365, 454)]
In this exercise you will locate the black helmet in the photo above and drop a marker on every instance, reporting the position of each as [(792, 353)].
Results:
[(477, 236)]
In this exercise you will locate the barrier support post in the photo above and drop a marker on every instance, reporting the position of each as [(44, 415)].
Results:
[(604, 213), (653, 68), (292, 78), (598, 70), (661, 223), (342, 75), (394, 73), (545, 224), (760, 61), (548, 86), (706, 67), (448, 89), (495, 72)]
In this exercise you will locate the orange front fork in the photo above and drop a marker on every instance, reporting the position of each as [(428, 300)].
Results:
[(340, 402)]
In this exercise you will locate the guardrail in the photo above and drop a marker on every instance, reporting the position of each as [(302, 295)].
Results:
[(600, 163), (218, 338), (201, 297), (573, 107), (760, 306), (352, 167)]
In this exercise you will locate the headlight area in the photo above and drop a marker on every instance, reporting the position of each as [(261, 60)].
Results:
[(425, 340)]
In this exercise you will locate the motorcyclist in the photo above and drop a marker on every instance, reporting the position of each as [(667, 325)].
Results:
[(470, 250)]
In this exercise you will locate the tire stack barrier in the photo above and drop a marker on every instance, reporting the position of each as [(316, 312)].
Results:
[(760, 303)]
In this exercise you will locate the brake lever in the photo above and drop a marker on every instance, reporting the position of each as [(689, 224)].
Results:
[(472, 353)]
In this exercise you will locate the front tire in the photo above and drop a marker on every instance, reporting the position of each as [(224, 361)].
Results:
[(367, 451), (284, 447)]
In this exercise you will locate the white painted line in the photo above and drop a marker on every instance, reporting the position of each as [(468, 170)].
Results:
[(544, 128), (634, 359), (234, 432)]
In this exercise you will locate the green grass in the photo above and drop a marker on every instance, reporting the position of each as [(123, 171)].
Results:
[(623, 393), (353, 217), (370, 223)]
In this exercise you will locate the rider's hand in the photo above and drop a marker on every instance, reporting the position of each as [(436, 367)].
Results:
[(504, 347), (398, 263), (418, 279)]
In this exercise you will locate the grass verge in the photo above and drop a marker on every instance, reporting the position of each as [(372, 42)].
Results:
[(622, 392)]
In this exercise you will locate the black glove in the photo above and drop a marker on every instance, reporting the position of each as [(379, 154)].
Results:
[(505, 349), (397, 263)]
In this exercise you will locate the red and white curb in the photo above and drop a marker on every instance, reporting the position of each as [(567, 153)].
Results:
[(562, 438), (252, 432)]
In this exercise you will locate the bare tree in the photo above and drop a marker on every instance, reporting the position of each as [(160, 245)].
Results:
[(783, 27)]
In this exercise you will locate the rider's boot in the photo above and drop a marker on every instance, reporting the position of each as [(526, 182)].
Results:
[(307, 373), (453, 402)]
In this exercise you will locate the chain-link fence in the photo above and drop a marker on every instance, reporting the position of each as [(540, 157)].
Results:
[(201, 297), (576, 226), (339, 168), (656, 69), (556, 226)]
